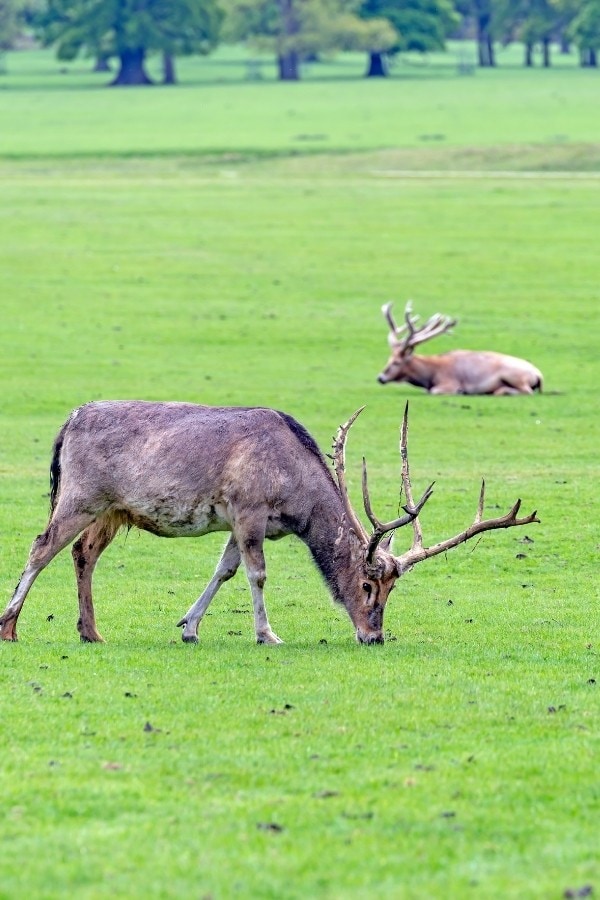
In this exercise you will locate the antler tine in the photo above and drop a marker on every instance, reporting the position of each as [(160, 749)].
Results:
[(411, 509), (339, 464), (386, 309), (480, 505), (399, 336), (417, 531)]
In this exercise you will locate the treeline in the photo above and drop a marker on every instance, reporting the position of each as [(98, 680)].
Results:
[(128, 31)]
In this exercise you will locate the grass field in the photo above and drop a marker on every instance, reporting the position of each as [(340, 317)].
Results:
[(187, 244)]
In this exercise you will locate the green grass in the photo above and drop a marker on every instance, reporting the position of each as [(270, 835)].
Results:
[(460, 759), (45, 113)]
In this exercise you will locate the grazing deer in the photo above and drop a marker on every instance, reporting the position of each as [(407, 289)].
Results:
[(456, 372), (181, 470)]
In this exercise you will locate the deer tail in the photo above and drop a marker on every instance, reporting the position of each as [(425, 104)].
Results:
[(55, 467)]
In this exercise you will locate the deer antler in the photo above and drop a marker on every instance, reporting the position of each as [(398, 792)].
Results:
[(409, 336), (418, 552), (386, 309), (380, 528), (339, 464)]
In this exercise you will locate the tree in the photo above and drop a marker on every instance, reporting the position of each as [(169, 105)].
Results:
[(130, 30), (294, 29), (421, 25), (531, 22), (484, 14), (9, 19), (376, 37), (584, 31)]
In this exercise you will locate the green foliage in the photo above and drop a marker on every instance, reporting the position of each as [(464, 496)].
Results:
[(9, 12), (305, 28), (112, 27), (585, 27), (423, 25), (369, 35), (460, 759)]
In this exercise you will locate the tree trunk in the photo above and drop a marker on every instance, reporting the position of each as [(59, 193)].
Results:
[(485, 44), (288, 59), (588, 58), (101, 64), (546, 52), (169, 76), (288, 66), (481, 53), (131, 68), (528, 55), (377, 66)]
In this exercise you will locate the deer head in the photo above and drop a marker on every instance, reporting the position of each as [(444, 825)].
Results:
[(403, 340), (374, 564)]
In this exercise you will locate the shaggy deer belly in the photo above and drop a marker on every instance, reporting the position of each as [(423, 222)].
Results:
[(170, 519)]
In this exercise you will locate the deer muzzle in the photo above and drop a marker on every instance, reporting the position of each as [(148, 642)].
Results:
[(369, 637)]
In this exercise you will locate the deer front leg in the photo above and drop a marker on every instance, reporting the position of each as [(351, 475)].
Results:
[(446, 387), (507, 389), (226, 569), (251, 549)]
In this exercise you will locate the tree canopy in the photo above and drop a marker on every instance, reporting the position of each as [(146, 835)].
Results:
[(420, 25), (130, 30), (9, 13), (298, 29), (584, 30)]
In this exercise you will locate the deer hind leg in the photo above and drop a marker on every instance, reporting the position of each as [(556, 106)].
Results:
[(86, 552), (251, 549), (226, 569), (60, 531)]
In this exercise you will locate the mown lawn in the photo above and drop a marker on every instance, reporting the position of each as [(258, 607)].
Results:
[(458, 760)]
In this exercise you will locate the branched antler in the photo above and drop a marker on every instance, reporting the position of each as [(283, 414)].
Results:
[(418, 552), (408, 335), (411, 509)]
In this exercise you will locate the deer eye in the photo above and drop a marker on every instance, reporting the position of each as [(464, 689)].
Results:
[(367, 587)]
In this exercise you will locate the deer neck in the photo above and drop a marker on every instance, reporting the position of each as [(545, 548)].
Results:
[(336, 549), (420, 371)]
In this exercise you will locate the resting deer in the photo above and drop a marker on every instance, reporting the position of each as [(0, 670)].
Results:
[(456, 372), (181, 470)]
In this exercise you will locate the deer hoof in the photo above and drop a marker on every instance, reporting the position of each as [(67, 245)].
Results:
[(8, 629), (9, 636), (189, 638), (268, 637)]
